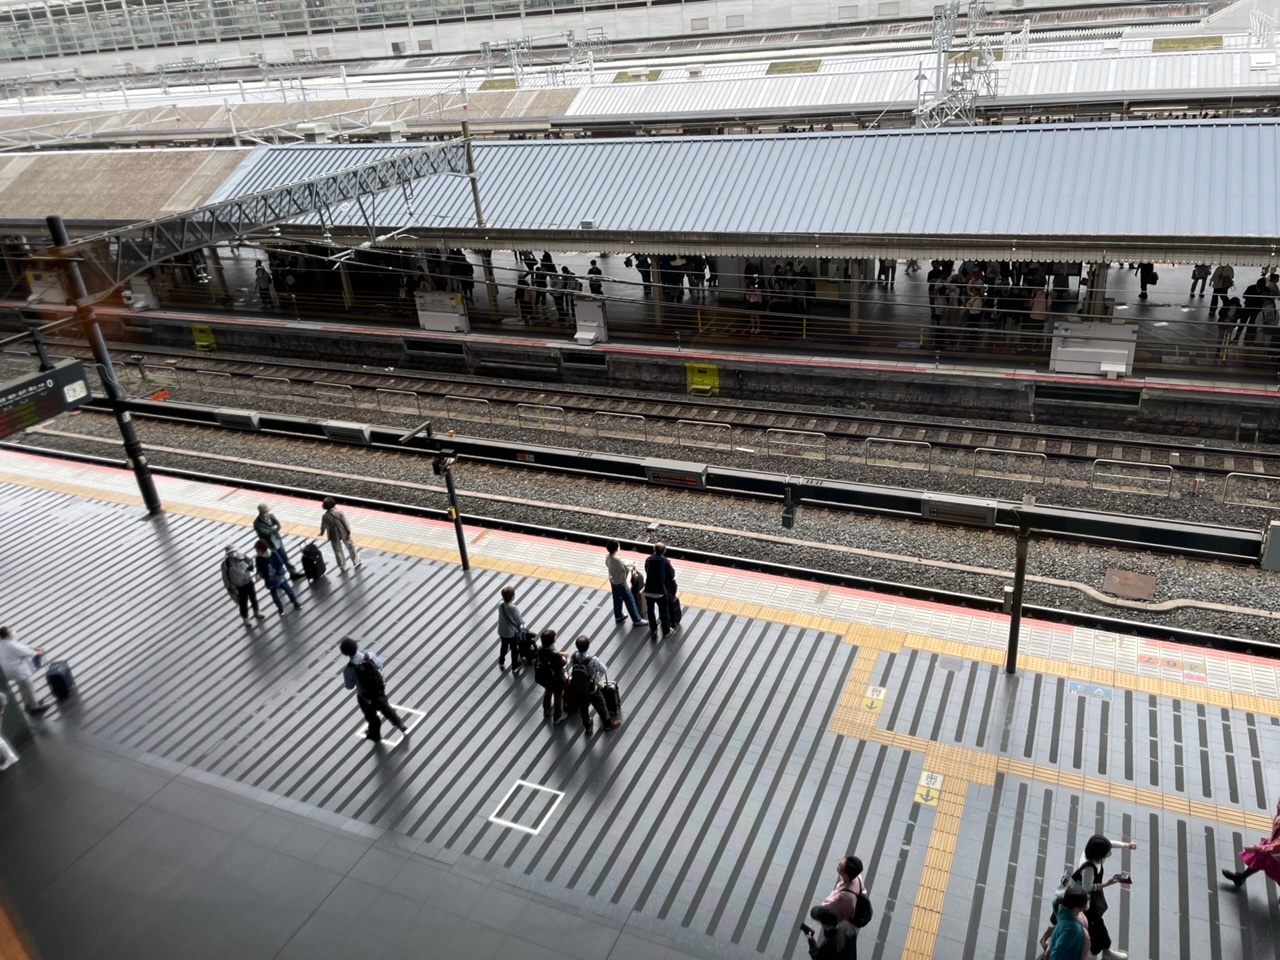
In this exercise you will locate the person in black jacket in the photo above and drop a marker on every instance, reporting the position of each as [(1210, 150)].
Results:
[(660, 590), (548, 673), (839, 938)]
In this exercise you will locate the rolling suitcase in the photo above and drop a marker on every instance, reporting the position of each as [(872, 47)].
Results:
[(527, 647), (61, 683), (312, 562), (612, 698), (676, 610)]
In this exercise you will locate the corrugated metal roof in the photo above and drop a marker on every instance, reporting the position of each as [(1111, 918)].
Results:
[(1164, 183), (124, 186)]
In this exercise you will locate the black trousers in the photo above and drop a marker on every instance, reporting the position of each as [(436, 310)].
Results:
[(595, 700), (514, 644), (659, 610), (371, 709), (247, 595)]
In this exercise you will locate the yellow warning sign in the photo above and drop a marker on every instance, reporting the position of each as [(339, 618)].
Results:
[(702, 379), (205, 340), (873, 701), (929, 789)]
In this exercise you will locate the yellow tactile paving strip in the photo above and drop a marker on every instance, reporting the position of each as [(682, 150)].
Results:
[(926, 918)]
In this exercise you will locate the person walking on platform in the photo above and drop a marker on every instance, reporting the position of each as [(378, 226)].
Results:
[(334, 526), (619, 583), (1068, 937), (587, 675), (237, 577), (267, 527), (18, 663), (8, 755), (1263, 855), (363, 674), (1223, 279), (594, 273), (548, 673), (660, 591), (510, 629), (1089, 876), (262, 283), (1147, 276), (644, 267), (271, 571)]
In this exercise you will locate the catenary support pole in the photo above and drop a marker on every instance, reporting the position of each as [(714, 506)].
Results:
[(456, 515), (110, 385), (473, 176), (1015, 615)]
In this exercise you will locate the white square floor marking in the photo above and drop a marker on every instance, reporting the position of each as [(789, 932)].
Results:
[(494, 818), (393, 737)]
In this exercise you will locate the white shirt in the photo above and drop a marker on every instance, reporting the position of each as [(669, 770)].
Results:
[(15, 659)]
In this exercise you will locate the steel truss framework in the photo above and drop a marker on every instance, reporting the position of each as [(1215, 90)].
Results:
[(110, 259)]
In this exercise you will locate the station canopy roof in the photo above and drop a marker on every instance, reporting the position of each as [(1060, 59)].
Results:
[(1183, 191)]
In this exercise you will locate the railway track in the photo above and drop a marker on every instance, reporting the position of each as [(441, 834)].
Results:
[(845, 427)]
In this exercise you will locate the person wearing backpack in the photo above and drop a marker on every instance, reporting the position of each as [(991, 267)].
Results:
[(237, 577), (548, 673), (587, 675), (850, 899), (363, 674), (334, 525)]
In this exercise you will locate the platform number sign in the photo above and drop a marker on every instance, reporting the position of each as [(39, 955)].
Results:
[(40, 396)]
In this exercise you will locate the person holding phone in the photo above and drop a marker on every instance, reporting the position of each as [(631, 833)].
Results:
[(839, 939)]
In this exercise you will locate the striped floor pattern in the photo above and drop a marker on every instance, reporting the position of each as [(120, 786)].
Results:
[(714, 816)]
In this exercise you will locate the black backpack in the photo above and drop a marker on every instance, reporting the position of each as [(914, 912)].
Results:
[(862, 912), (369, 679), (580, 677), (543, 671)]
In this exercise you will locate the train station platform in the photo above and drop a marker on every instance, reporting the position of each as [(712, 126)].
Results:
[(208, 792)]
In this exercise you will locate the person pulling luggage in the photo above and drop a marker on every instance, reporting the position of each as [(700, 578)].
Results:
[(587, 675), (511, 629)]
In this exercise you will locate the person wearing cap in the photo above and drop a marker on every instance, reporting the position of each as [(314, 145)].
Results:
[(334, 526), (839, 938), (267, 527), (237, 577)]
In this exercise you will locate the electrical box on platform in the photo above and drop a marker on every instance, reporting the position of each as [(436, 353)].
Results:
[(1271, 546), (676, 473), (967, 510), (346, 431)]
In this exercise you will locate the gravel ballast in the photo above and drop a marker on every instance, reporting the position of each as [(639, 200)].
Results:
[(818, 530)]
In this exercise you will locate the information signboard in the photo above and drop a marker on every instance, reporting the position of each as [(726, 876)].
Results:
[(39, 396)]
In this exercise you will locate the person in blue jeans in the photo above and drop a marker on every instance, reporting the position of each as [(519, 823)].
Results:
[(271, 568), (620, 584)]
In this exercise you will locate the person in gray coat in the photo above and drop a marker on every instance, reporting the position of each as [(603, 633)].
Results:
[(334, 526), (237, 577), (267, 527)]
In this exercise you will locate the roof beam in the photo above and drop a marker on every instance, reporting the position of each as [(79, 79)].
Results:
[(111, 258)]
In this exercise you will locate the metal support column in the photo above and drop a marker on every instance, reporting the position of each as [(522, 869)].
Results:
[(473, 176), (218, 289), (110, 385), (443, 467), (1015, 615)]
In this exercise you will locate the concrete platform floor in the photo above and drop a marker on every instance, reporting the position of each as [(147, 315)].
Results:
[(208, 793)]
